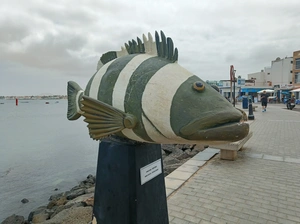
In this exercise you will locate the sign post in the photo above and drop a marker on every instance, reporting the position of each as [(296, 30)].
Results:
[(232, 79)]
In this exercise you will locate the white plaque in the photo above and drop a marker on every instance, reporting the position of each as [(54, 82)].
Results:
[(150, 171)]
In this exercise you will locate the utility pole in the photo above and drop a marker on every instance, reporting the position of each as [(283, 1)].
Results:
[(231, 79), (234, 87)]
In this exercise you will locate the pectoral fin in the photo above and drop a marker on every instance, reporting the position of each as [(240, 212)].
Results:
[(103, 119)]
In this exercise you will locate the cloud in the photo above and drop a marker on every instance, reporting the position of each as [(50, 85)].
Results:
[(68, 38)]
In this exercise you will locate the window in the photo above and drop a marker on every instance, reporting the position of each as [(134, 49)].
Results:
[(297, 66), (297, 77)]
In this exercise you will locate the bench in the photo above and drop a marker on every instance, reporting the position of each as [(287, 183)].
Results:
[(228, 151), (253, 107)]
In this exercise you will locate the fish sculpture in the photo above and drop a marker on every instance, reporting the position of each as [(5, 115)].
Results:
[(141, 93)]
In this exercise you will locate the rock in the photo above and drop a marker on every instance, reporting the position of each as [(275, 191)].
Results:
[(184, 155), (75, 194), (89, 202), (78, 215), (38, 215), (57, 196), (163, 154), (199, 148), (57, 210), (14, 219), (171, 160), (187, 146), (168, 148), (176, 151), (57, 202), (24, 200), (80, 199), (63, 207), (89, 190)]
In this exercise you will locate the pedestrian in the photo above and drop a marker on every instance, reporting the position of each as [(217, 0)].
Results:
[(264, 101)]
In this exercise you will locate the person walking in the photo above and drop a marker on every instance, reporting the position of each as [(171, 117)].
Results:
[(264, 101)]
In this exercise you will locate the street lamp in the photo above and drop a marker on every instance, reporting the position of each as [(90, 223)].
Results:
[(233, 94)]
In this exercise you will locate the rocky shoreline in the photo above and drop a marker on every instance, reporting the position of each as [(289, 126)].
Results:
[(76, 205)]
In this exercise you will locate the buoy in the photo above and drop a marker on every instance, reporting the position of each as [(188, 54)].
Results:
[(16, 101)]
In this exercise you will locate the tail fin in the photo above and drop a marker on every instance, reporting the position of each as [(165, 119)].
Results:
[(74, 96)]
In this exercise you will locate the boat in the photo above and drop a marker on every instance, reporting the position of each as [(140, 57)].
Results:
[(47, 102)]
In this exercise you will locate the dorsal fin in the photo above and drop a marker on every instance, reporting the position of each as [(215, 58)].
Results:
[(163, 48)]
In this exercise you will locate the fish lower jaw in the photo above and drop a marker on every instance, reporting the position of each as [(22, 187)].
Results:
[(229, 132)]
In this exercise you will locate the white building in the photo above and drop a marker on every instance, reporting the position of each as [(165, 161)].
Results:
[(262, 78), (259, 77), (282, 72)]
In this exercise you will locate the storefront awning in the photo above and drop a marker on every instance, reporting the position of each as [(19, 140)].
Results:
[(251, 90)]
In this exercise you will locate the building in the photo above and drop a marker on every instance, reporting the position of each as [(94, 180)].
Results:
[(282, 72), (258, 77), (296, 69)]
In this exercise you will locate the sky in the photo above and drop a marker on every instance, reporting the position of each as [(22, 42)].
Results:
[(45, 44)]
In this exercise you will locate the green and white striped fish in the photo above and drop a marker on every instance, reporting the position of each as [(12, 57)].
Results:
[(143, 94)]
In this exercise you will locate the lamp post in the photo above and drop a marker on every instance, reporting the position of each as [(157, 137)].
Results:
[(233, 93)]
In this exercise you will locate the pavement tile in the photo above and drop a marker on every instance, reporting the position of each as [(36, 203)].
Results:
[(195, 162), (188, 168), (173, 183), (211, 150), (254, 155), (270, 157), (291, 160), (169, 191), (181, 175), (204, 156), (192, 219)]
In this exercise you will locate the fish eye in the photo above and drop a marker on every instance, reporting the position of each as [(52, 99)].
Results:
[(198, 86)]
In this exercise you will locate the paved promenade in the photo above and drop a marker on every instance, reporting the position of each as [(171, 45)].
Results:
[(261, 186)]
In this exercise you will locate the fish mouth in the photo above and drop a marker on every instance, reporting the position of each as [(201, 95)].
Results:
[(220, 127)]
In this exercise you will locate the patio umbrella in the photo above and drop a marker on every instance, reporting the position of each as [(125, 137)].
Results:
[(295, 90), (267, 91)]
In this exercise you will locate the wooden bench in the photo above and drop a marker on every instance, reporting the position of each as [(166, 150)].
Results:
[(228, 151)]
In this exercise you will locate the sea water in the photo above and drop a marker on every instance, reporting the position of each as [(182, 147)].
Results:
[(40, 151)]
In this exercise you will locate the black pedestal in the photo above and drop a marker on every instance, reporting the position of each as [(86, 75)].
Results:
[(120, 197)]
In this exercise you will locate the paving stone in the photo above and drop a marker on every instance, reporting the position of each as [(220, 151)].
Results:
[(188, 168), (204, 156), (181, 175), (270, 157), (192, 219), (169, 191), (195, 162), (173, 183), (179, 221), (211, 150), (291, 160), (254, 155)]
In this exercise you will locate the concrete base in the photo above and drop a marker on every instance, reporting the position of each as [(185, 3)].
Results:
[(228, 151), (228, 154)]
